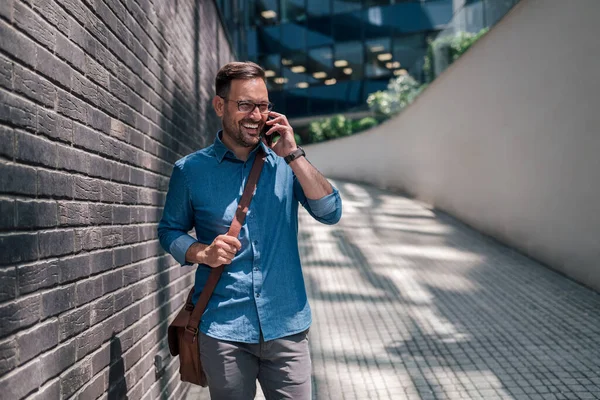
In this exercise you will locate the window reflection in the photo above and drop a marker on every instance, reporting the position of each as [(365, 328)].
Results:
[(319, 31), (348, 63), (378, 52), (342, 6), (408, 52), (318, 7), (267, 12), (271, 65), (293, 37), (347, 26), (269, 38), (320, 63), (293, 10)]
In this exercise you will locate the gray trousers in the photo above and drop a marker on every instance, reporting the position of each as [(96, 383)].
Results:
[(282, 366)]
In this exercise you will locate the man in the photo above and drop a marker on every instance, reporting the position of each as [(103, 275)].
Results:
[(256, 323)]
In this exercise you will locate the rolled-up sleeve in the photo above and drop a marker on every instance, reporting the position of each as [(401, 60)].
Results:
[(327, 209), (178, 218)]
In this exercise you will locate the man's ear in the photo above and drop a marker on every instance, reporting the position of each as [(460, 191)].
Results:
[(218, 105)]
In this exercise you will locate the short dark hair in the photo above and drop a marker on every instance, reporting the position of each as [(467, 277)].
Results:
[(236, 70)]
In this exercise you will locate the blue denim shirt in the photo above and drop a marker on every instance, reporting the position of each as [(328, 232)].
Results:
[(263, 288)]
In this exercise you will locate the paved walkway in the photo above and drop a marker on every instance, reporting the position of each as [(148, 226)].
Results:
[(411, 304)]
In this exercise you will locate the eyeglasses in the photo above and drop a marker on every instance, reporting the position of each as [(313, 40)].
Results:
[(248, 106)]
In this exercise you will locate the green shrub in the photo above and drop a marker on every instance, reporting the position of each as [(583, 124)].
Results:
[(401, 91), (363, 124), (444, 50)]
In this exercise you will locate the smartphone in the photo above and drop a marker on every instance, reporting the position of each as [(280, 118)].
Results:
[(268, 138)]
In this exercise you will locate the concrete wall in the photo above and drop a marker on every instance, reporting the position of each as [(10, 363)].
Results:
[(507, 139), (98, 98)]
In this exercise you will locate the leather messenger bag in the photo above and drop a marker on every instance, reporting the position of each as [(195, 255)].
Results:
[(183, 331)]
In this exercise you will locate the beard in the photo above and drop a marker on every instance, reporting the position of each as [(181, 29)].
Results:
[(235, 131)]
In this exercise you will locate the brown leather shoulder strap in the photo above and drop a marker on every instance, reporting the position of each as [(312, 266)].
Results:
[(234, 230)]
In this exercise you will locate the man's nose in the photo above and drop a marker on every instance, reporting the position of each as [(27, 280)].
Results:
[(256, 113)]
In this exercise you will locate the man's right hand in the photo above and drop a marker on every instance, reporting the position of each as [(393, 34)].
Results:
[(220, 251)]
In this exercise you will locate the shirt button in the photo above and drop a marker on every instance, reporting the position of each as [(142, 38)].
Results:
[(257, 294), (256, 242), (256, 268)]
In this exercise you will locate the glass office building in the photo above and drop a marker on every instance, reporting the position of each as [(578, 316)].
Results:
[(326, 56)]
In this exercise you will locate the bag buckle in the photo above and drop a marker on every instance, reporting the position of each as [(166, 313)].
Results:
[(191, 329)]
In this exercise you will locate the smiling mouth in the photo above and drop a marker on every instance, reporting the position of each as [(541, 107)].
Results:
[(251, 127)]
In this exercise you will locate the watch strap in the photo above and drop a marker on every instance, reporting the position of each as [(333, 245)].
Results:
[(299, 152)]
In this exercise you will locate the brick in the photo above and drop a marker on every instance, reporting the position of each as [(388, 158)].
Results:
[(58, 300), (97, 119), (35, 149), (36, 214), (8, 355), (109, 146), (54, 184), (129, 195), (37, 276), (94, 389), (112, 236), (99, 167), (73, 322), (83, 38), (54, 125), (49, 391), (100, 214), (8, 283), (19, 315), (71, 107), (74, 379), (19, 247), (111, 192), (53, 68), (69, 52), (121, 215), (88, 239), (36, 27), (122, 256), (6, 9), (86, 188), (38, 339), (123, 299), (112, 281), (21, 382), (83, 87), (88, 290), (57, 361), (101, 261), (7, 142), (71, 159), (102, 309), (17, 44), (96, 72), (120, 172), (86, 138), (8, 215), (17, 179), (18, 112), (90, 340), (100, 359), (73, 214), (36, 88), (73, 268), (56, 243), (55, 15), (130, 234)]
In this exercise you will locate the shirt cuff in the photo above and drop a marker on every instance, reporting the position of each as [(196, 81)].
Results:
[(180, 246), (325, 205)]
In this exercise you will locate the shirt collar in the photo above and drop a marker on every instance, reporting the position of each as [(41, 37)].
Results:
[(221, 150)]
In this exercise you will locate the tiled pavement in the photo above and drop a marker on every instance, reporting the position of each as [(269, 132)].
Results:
[(408, 303)]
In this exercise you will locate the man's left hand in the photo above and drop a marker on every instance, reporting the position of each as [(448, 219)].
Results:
[(287, 142)]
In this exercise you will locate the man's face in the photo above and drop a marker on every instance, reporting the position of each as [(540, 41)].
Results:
[(243, 128)]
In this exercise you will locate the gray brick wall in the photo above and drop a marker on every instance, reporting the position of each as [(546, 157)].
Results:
[(98, 99)]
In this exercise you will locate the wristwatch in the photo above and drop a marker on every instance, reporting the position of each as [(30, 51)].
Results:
[(299, 152)]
